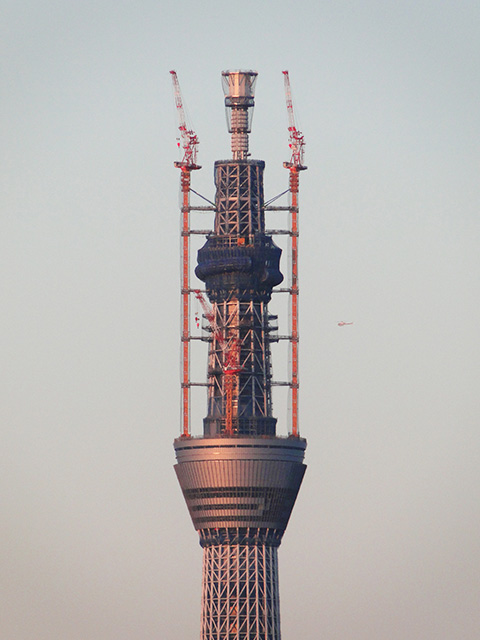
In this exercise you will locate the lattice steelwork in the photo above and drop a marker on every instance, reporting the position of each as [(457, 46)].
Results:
[(240, 593), (239, 199), (240, 480), (247, 323), (240, 265)]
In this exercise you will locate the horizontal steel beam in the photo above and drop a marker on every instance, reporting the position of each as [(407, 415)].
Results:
[(280, 208)]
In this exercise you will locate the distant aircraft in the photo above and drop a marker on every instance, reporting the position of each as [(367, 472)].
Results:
[(344, 324)]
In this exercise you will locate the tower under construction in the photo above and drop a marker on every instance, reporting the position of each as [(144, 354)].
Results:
[(239, 478)]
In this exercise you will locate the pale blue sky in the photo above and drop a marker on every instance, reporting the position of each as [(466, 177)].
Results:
[(384, 541)]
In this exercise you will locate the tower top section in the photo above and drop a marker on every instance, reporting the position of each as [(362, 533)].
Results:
[(239, 90)]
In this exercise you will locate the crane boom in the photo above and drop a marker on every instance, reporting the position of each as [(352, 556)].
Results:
[(209, 315), (231, 360), (297, 141), (189, 137)]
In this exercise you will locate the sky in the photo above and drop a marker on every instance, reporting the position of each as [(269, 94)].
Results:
[(384, 540)]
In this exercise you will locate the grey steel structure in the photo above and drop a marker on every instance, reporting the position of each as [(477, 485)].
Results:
[(240, 480)]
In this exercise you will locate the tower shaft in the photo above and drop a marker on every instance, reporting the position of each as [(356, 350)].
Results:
[(240, 265), (240, 593), (240, 480)]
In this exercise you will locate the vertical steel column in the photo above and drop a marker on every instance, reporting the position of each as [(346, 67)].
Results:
[(294, 294), (185, 187)]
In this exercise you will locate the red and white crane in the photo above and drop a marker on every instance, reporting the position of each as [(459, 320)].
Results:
[(297, 141), (188, 136), (231, 359)]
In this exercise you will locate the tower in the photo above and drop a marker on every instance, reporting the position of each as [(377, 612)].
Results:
[(239, 479)]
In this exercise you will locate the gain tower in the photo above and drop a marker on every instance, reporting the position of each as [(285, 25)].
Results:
[(239, 479)]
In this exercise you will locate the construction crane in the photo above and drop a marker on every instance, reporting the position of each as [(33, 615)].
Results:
[(231, 369), (231, 359), (296, 144), (297, 141), (186, 165), (188, 136), (209, 315)]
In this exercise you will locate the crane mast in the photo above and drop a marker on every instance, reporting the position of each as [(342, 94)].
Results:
[(187, 165), (239, 478), (296, 144)]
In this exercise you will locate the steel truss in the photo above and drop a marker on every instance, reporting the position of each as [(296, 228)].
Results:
[(239, 264), (240, 599), (248, 325), (239, 199)]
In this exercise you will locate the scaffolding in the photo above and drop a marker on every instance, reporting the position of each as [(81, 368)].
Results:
[(258, 314)]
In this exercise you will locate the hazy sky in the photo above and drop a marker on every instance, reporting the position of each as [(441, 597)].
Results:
[(96, 542)]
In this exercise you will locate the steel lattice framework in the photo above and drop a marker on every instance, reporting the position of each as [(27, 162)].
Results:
[(240, 265), (240, 593), (239, 199), (248, 324)]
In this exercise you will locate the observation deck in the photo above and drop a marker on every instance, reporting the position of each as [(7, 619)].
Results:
[(240, 483)]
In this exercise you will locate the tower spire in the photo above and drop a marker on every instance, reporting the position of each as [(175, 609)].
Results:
[(239, 90)]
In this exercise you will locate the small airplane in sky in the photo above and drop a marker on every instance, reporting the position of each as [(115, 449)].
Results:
[(344, 324)]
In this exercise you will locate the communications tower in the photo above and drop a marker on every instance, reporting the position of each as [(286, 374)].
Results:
[(239, 479)]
